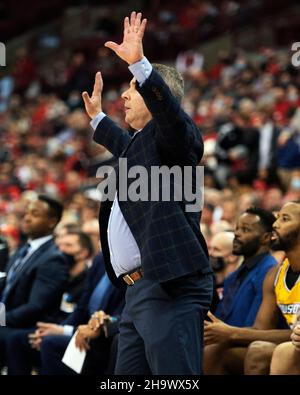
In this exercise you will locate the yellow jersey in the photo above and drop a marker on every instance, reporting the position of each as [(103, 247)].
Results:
[(288, 300)]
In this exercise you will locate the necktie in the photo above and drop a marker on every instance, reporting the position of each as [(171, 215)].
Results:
[(17, 265)]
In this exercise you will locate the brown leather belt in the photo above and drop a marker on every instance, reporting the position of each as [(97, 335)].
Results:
[(132, 278)]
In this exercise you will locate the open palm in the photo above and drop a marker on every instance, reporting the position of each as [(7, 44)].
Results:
[(93, 104), (131, 49)]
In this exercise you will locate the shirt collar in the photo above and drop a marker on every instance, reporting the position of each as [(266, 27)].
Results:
[(251, 262), (37, 243)]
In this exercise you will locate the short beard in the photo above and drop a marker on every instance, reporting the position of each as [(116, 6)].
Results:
[(286, 243), (249, 249)]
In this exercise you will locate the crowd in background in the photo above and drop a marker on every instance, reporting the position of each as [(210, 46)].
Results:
[(247, 109), (247, 112)]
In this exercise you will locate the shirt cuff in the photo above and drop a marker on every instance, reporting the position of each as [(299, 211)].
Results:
[(68, 330), (141, 70), (98, 118)]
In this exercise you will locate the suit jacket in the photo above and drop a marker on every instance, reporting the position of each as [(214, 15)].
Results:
[(248, 298), (37, 288), (168, 237), (112, 303)]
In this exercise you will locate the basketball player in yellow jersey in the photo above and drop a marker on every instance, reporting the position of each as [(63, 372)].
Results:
[(287, 291), (281, 297), (286, 356)]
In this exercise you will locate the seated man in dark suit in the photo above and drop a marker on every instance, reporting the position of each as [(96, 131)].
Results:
[(37, 273), (78, 249), (52, 339)]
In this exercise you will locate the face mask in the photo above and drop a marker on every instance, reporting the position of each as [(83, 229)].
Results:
[(70, 259), (217, 263), (295, 183)]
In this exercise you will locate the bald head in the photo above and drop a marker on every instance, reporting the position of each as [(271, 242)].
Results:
[(221, 244)]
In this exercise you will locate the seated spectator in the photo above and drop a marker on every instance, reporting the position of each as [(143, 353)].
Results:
[(11, 235), (91, 228), (229, 211), (277, 312), (220, 226), (248, 199), (63, 229), (4, 253), (90, 210), (288, 150), (272, 199), (99, 294), (293, 191), (286, 356), (207, 214), (78, 249), (37, 273), (222, 260), (242, 294)]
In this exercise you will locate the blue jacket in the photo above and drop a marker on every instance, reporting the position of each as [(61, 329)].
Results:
[(246, 302), (168, 237), (37, 289), (112, 304)]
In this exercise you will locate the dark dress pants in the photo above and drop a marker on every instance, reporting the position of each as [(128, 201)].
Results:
[(21, 358), (161, 331), (53, 348)]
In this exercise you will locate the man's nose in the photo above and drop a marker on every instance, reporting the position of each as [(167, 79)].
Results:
[(236, 234), (26, 217), (125, 95)]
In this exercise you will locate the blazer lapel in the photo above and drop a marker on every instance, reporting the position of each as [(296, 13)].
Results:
[(31, 262), (130, 142), (147, 128)]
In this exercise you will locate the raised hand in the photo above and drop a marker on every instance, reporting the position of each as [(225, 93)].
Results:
[(131, 49), (93, 105)]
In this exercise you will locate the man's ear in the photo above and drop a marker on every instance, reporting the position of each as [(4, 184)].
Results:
[(52, 222)]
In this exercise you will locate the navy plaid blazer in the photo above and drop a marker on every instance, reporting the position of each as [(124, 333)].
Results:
[(168, 237)]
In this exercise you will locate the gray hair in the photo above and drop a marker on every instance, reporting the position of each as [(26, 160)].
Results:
[(172, 78)]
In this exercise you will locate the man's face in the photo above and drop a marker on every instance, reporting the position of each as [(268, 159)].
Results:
[(92, 230), (37, 222), (286, 228), (70, 245), (137, 114), (219, 247), (247, 235)]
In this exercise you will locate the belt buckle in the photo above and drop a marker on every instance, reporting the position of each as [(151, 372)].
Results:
[(129, 278)]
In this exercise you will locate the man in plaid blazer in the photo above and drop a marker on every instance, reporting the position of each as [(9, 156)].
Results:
[(154, 246)]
